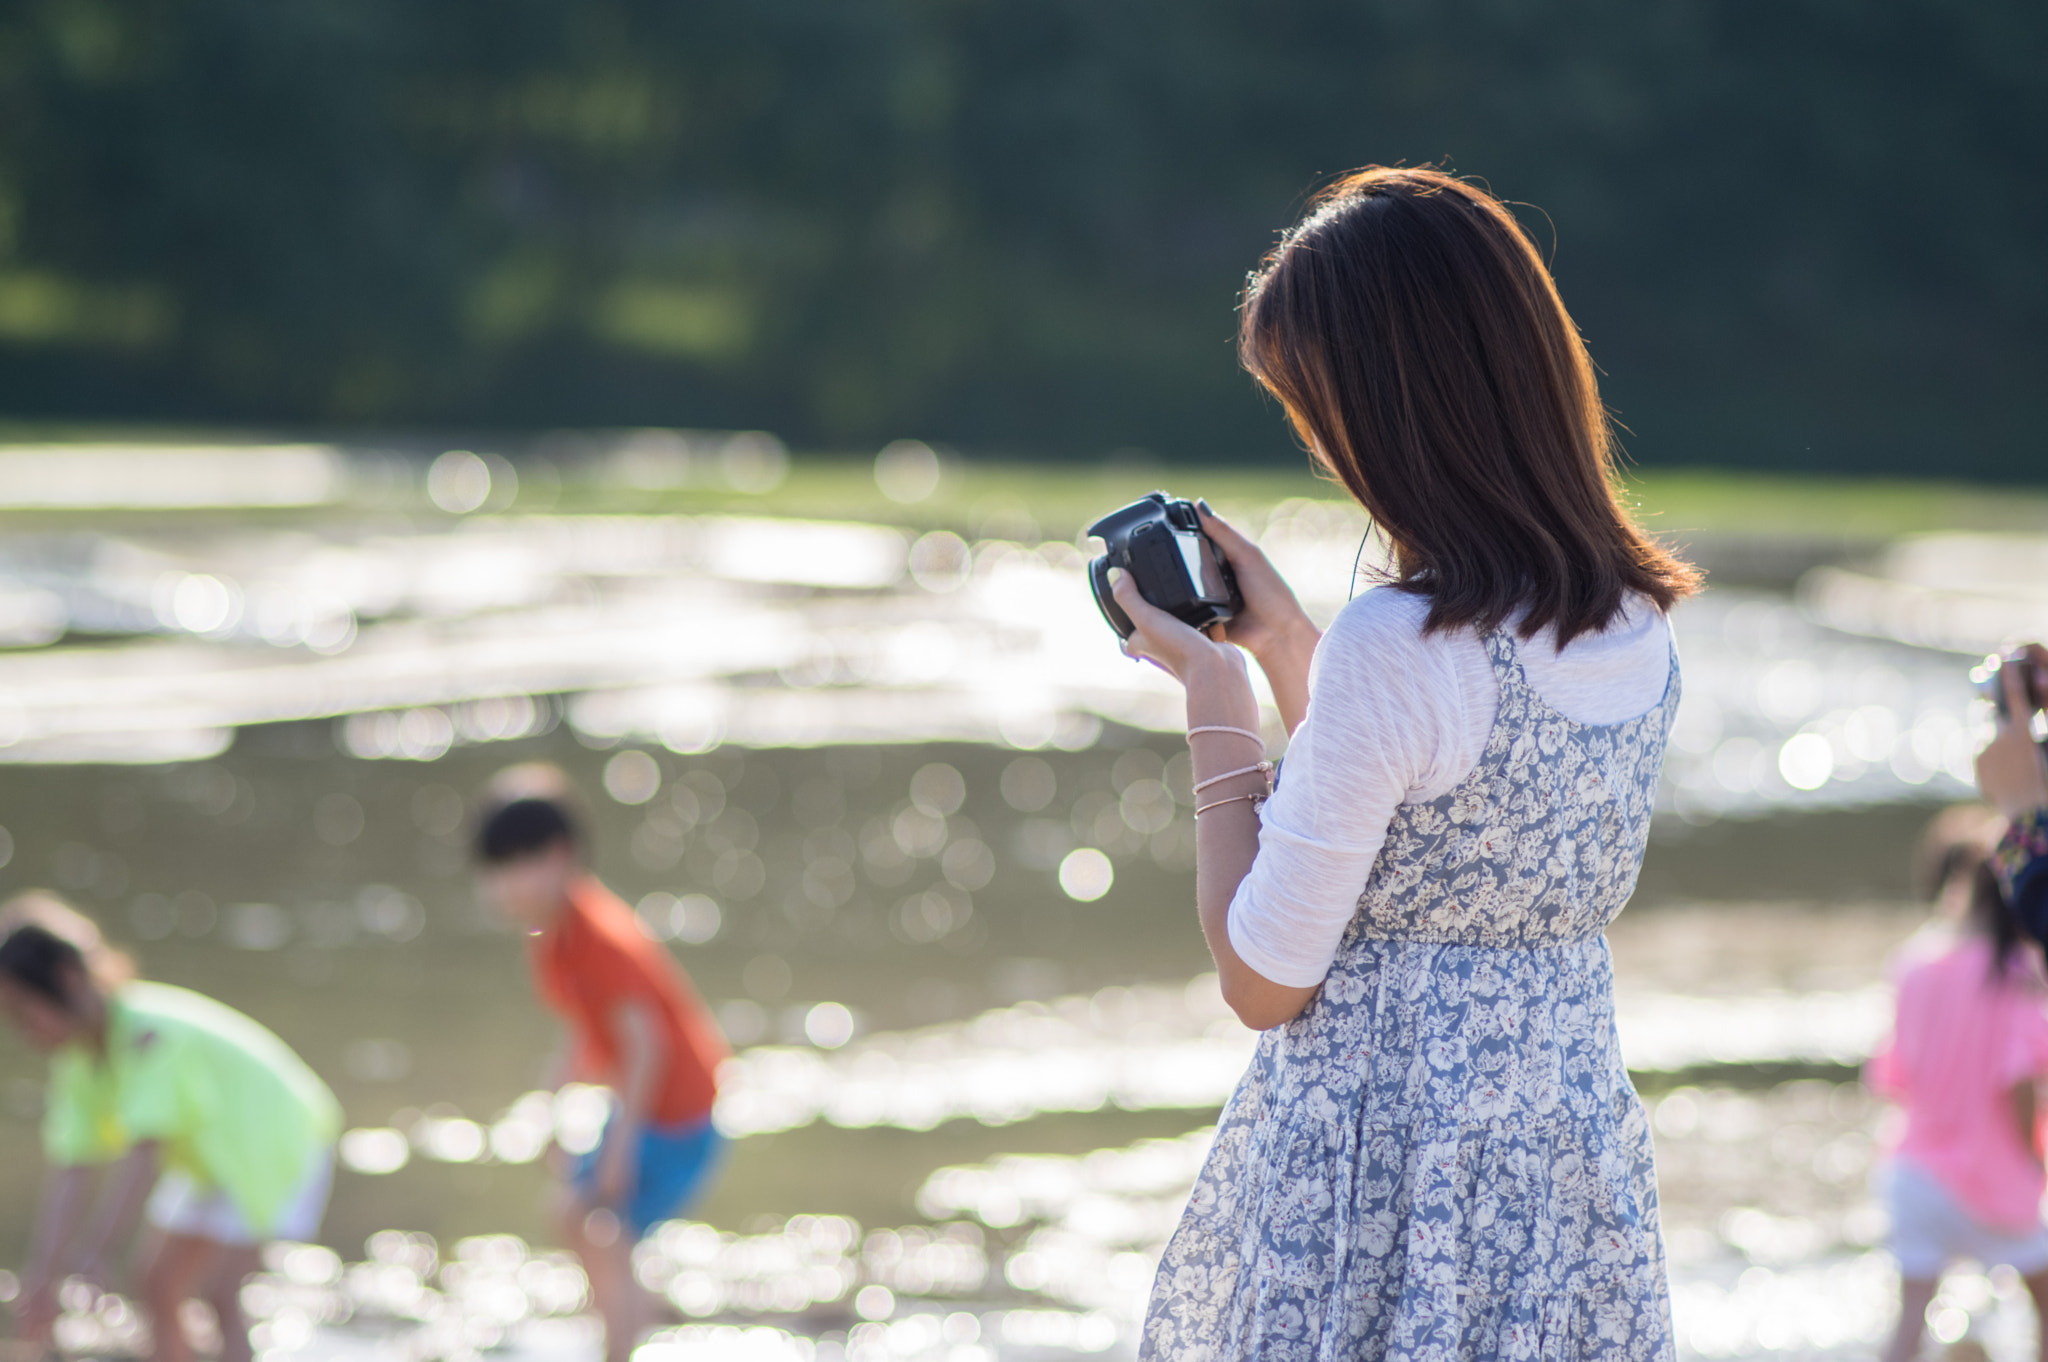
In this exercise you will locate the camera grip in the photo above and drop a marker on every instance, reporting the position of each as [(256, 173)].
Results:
[(1105, 598)]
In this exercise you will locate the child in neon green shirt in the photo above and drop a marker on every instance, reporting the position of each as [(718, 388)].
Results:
[(155, 1080)]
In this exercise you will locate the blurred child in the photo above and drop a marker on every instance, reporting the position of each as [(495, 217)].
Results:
[(1969, 1043), (633, 1022), (164, 1087)]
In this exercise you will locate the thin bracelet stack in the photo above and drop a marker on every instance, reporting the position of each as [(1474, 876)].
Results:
[(1262, 767)]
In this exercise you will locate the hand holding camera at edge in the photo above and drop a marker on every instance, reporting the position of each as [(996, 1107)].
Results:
[(2011, 774), (1273, 626)]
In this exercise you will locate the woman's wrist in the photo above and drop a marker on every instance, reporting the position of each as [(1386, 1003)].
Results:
[(1289, 644), (1285, 657), (1227, 751), (1219, 691)]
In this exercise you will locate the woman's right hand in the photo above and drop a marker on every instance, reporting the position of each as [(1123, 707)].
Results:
[(1273, 627), (1273, 621), (2011, 774)]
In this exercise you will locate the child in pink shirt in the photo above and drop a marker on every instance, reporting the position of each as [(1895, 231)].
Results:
[(1969, 1041)]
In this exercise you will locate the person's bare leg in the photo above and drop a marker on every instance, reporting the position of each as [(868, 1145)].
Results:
[(606, 1250), (173, 1268), (223, 1291), (2037, 1287), (1915, 1295)]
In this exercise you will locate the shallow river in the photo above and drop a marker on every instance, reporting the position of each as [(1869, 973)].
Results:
[(924, 841)]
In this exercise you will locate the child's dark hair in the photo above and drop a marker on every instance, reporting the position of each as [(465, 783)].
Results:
[(1994, 915), (43, 939), (520, 827), (1959, 842), (527, 809)]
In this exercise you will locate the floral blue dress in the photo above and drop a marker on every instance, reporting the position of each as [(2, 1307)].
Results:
[(1441, 1157)]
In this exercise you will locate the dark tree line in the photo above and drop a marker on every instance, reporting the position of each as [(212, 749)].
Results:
[(1796, 232)]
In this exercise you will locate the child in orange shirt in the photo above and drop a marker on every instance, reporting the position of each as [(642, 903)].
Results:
[(633, 1022)]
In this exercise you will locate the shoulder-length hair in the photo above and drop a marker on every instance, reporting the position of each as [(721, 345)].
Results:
[(1421, 351)]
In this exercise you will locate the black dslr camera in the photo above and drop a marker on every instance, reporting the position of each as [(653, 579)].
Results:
[(1159, 541)]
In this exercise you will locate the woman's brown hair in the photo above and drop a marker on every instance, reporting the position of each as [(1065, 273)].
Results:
[(1420, 348)]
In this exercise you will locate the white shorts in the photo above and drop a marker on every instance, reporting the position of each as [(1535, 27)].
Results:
[(181, 1205), (1930, 1229)]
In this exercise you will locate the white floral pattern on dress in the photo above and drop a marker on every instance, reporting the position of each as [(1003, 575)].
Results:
[(1442, 1158)]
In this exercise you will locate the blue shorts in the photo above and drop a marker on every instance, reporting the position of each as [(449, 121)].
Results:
[(674, 1167)]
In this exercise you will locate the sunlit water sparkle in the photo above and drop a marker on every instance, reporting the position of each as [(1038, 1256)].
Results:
[(663, 639)]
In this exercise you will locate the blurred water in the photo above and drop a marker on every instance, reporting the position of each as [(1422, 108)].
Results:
[(689, 632), (924, 840)]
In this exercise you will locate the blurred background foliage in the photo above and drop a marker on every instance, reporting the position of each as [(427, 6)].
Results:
[(1798, 234)]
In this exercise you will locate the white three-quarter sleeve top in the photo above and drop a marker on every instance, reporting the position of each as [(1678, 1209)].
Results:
[(1395, 718)]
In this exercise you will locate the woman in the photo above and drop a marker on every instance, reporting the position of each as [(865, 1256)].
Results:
[(168, 1090), (1436, 1152)]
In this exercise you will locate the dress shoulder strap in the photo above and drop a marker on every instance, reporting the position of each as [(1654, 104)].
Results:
[(1505, 656)]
